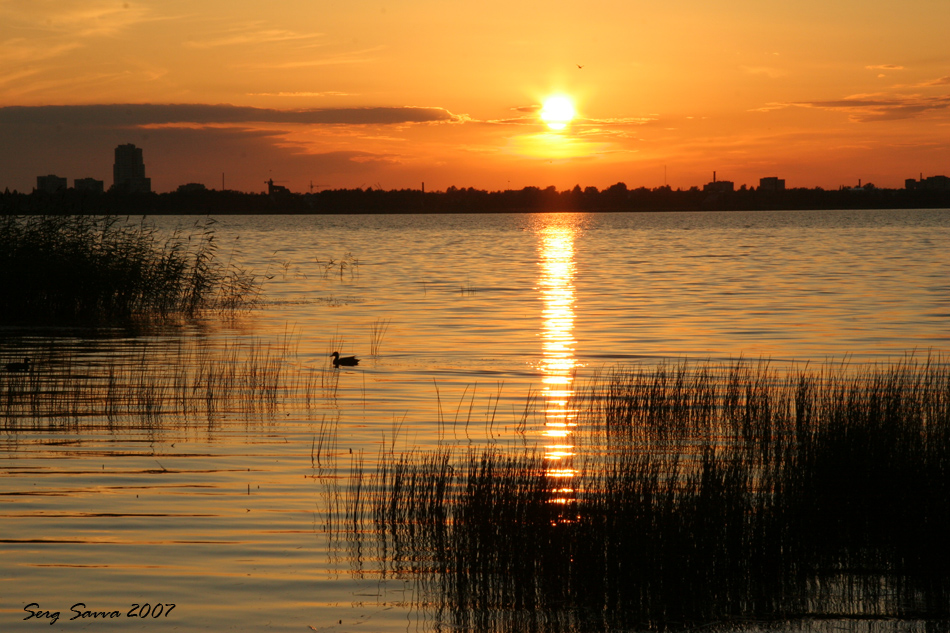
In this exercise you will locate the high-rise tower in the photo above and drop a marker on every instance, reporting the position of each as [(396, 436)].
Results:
[(128, 172)]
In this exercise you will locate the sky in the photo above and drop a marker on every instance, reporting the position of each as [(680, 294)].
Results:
[(328, 94)]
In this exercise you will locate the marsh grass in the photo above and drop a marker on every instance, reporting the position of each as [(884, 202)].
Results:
[(324, 445), (104, 269), (704, 494), (348, 262), (159, 383), (378, 330)]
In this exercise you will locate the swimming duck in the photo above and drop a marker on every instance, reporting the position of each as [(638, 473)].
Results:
[(24, 366), (344, 361)]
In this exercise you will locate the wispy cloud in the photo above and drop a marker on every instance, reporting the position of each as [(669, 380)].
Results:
[(942, 81), (772, 106), (896, 103), (250, 34), (47, 38), (24, 51), (349, 57), (139, 115), (74, 18), (579, 123), (101, 81), (866, 108), (16, 77), (328, 93)]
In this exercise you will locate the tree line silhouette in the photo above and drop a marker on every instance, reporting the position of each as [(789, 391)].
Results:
[(616, 198)]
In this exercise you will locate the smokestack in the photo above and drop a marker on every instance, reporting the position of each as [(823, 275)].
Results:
[(714, 176)]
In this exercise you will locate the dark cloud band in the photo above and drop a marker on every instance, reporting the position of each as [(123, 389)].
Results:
[(159, 114)]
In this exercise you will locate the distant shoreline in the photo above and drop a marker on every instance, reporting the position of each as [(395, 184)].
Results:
[(528, 200)]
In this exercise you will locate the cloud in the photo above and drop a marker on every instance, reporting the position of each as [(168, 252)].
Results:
[(75, 18), (329, 93), (141, 115), (350, 57), (56, 39), (884, 67), (865, 108), (623, 121), (21, 51), (772, 106), (184, 142), (250, 35), (180, 153), (942, 81), (513, 121), (580, 123)]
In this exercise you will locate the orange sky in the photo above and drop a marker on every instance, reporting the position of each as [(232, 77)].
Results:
[(378, 93)]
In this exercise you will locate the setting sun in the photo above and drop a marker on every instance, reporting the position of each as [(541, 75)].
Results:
[(557, 112)]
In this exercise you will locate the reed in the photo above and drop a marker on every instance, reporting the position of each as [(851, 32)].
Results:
[(704, 494), (102, 269), (347, 262), (160, 383), (378, 330)]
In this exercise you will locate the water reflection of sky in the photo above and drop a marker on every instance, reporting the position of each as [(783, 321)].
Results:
[(556, 285), (238, 495)]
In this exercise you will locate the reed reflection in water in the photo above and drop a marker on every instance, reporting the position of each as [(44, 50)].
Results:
[(558, 363)]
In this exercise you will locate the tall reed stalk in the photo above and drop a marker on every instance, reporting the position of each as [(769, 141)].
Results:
[(377, 332)]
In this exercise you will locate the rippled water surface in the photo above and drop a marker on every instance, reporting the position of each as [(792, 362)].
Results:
[(226, 503)]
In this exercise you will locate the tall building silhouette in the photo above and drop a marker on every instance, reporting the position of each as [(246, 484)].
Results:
[(89, 184), (50, 184), (128, 172), (772, 183)]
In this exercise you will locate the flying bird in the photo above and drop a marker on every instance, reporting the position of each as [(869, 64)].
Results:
[(344, 361), (580, 66)]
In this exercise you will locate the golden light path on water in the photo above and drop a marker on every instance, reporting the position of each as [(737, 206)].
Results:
[(556, 286)]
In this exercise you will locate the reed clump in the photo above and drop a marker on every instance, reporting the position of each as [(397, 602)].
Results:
[(378, 330), (703, 494), (158, 383), (104, 269)]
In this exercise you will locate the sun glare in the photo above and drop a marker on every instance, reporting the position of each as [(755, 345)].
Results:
[(557, 112)]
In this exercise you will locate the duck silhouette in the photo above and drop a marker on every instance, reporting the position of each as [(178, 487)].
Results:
[(24, 366), (344, 361)]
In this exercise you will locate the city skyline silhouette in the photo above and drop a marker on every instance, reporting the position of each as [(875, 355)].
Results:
[(819, 96)]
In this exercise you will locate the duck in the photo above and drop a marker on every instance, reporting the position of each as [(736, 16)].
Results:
[(344, 361), (24, 366)]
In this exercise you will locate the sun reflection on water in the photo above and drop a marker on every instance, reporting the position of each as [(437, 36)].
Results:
[(556, 286)]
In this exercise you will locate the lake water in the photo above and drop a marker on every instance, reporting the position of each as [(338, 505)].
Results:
[(471, 330)]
